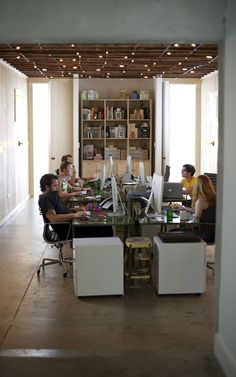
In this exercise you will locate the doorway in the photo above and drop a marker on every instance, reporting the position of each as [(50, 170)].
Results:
[(182, 128)]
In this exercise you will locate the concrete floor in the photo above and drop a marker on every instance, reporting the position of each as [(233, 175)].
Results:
[(45, 330)]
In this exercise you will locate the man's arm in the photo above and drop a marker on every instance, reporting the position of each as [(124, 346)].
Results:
[(53, 217), (66, 195)]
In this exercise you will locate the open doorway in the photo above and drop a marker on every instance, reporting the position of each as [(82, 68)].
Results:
[(182, 132), (41, 133)]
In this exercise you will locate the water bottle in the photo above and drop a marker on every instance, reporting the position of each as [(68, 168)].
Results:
[(169, 214), (64, 186)]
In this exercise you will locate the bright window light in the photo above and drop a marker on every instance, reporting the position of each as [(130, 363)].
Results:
[(182, 128)]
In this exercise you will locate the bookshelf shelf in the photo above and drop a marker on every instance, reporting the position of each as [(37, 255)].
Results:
[(122, 127)]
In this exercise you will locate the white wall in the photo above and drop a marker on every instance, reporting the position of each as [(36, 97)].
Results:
[(209, 123), (13, 129), (111, 20), (225, 338), (61, 93), (111, 88)]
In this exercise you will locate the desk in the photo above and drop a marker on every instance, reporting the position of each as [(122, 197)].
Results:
[(124, 221), (150, 227), (177, 200)]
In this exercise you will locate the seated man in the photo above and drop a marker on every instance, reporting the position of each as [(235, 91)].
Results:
[(55, 211), (188, 181)]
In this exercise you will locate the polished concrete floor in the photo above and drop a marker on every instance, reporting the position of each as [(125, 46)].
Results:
[(45, 330)]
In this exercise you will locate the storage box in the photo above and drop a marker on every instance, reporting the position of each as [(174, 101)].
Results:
[(115, 153), (98, 266)]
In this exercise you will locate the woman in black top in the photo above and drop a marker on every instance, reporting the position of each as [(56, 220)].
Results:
[(204, 207)]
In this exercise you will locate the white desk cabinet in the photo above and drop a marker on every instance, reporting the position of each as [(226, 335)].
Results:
[(98, 266), (179, 267)]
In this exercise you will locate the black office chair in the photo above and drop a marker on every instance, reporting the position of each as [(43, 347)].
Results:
[(213, 178), (52, 238), (167, 173)]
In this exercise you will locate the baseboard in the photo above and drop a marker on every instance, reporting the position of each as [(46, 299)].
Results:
[(12, 213), (225, 357)]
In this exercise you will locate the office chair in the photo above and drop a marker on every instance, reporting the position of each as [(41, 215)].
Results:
[(167, 173), (52, 238), (213, 178)]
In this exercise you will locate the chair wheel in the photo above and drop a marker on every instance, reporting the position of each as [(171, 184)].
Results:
[(65, 275), (38, 271)]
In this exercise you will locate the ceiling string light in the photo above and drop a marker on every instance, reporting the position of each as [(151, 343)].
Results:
[(69, 58)]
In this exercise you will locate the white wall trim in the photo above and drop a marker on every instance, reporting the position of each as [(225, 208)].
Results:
[(12, 213), (225, 358), (9, 66), (76, 137), (157, 151), (209, 75)]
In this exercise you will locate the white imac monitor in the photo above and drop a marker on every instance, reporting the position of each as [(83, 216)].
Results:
[(114, 192), (129, 165), (141, 173), (118, 207), (155, 199), (103, 176), (111, 165)]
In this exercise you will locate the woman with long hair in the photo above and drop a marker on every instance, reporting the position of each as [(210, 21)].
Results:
[(204, 207)]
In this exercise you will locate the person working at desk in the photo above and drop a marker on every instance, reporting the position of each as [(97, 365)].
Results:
[(54, 210), (204, 207), (68, 158), (65, 190), (188, 180)]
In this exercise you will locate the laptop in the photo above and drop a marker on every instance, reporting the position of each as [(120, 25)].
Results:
[(139, 192), (172, 190)]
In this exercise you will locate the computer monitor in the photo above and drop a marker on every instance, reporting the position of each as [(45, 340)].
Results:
[(156, 197), (103, 176), (141, 173), (111, 165), (129, 165), (114, 191)]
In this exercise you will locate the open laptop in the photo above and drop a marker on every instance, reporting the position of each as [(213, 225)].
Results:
[(172, 190)]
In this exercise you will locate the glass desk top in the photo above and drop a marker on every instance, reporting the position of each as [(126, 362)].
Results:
[(104, 219), (162, 219)]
